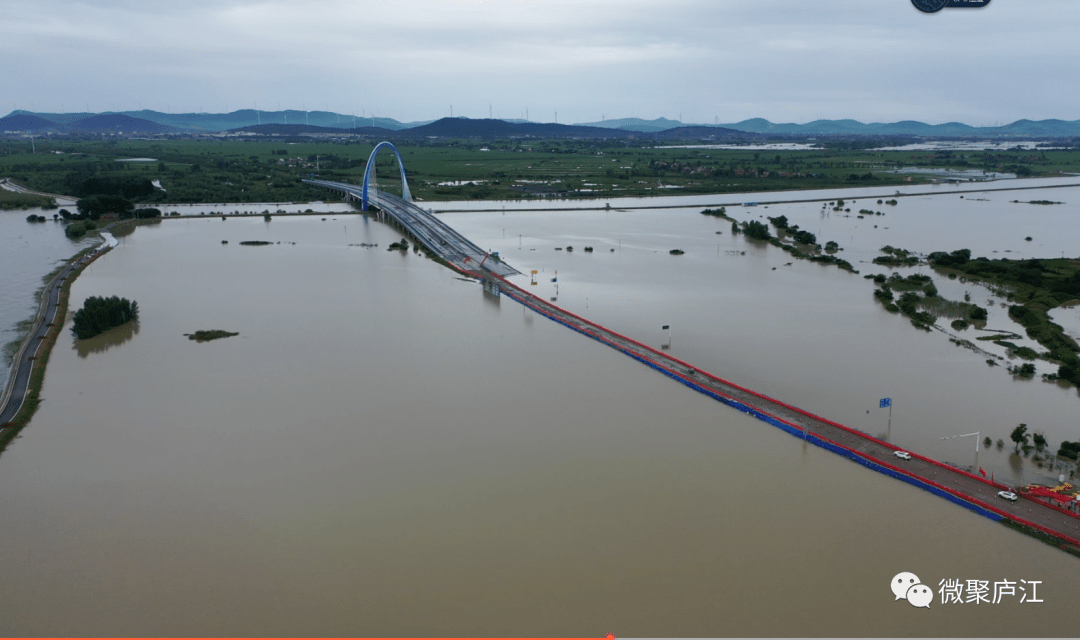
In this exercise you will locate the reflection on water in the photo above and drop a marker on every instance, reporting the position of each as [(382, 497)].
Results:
[(381, 452), (127, 228), (491, 296), (112, 338)]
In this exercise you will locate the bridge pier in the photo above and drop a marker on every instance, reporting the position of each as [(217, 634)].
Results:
[(491, 286)]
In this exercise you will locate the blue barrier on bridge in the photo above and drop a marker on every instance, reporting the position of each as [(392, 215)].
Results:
[(799, 433)]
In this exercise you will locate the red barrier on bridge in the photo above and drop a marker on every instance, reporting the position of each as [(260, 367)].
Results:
[(531, 301), (759, 395)]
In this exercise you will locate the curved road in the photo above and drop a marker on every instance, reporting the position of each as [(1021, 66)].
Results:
[(15, 393)]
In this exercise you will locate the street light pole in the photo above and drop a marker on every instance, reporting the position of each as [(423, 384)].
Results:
[(965, 435)]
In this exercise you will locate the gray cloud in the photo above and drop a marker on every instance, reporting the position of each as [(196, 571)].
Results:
[(785, 60)]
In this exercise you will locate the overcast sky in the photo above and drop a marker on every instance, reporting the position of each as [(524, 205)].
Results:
[(708, 60)]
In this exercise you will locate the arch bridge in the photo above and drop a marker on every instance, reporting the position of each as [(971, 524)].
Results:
[(438, 237)]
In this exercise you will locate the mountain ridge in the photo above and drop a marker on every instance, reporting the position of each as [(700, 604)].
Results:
[(144, 120)]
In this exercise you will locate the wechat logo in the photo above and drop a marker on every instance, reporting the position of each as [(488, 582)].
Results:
[(906, 586)]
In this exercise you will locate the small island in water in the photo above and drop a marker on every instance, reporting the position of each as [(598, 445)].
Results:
[(206, 336), (98, 315)]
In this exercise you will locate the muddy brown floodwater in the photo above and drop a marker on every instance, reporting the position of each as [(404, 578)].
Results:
[(386, 450)]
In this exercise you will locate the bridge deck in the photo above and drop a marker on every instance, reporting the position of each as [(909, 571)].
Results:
[(961, 487), (958, 486), (436, 235)]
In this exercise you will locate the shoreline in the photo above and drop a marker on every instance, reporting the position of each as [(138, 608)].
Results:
[(742, 203), (21, 395), (950, 483)]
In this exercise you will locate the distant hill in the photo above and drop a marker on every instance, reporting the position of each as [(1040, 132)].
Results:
[(491, 128), (698, 132), (467, 128), (1020, 128), (117, 123), (26, 123), (214, 122), (488, 128), (636, 124), (308, 130)]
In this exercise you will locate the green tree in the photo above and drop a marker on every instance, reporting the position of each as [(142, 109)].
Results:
[(1039, 440), (1019, 436), (93, 207), (757, 230), (81, 185), (101, 314), (75, 230)]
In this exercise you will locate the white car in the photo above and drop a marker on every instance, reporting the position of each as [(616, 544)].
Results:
[(1008, 495), (903, 455)]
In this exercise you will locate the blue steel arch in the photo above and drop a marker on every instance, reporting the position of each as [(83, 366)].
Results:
[(405, 194)]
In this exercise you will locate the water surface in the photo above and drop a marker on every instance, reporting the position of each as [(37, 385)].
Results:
[(384, 450)]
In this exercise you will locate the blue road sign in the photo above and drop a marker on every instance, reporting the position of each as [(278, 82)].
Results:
[(885, 402)]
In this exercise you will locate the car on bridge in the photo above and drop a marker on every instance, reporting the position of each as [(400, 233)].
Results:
[(903, 455), (1008, 495)]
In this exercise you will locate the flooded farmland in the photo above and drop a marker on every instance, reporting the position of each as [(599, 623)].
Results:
[(386, 450)]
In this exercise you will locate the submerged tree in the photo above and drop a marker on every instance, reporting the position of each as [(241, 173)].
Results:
[(1019, 436), (101, 314), (756, 230)]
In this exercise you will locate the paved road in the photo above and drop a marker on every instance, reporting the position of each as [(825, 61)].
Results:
[(955, 484), (7, 184), (961, 487), (439, 238), (25, 360)]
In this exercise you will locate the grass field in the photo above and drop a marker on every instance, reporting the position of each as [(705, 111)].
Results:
[(232, 170), (11, 200)]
